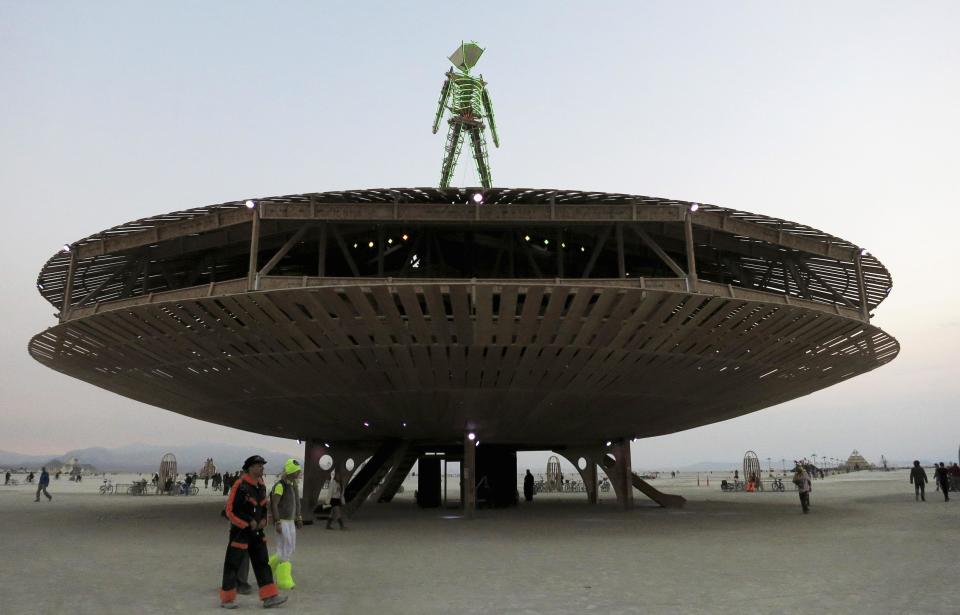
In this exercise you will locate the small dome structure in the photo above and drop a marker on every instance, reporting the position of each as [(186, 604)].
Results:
[(554, 477), (168, 468)]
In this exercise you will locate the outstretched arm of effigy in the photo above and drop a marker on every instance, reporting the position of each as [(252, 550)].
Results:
[(488, 107), (444, 94)]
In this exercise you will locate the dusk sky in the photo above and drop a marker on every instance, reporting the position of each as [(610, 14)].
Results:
[(842, 116)]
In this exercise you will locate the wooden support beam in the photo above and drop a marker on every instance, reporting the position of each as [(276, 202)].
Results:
[(254, 249), (833, 292), (691, 251), (601, 240), (346, 252), (468, 474), (322, 254), (560, 249), (380, 244), (659, 252), (861, 288), (68, 287), (284, 249), (621, 261)]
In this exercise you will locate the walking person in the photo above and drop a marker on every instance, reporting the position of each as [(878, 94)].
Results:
[(943, 480), (42, 485), (528, 487), (336, 502), (247, 511), (802, 480), (6, 479), (285, 509), (919, 479)]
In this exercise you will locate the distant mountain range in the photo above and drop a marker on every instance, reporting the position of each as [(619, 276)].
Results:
[(145, 458)]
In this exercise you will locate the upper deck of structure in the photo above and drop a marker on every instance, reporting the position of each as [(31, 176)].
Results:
[(509, 234)]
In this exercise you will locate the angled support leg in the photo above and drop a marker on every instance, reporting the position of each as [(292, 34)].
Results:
[(589, 474)]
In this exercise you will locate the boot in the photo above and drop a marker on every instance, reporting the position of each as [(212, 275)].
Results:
[(274, 601), (285, 575)]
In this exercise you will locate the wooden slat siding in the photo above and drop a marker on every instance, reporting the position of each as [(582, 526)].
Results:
[(369, 318), (529, 315), (438, 314), (508, 369), (550, 321), (391, 316), (473, 361), (287, 368), (414, 317), (322, 321), (573, 320), (597, 315), (507, 316), (491, 366), (462, 314), (295, 327), (484, 327)]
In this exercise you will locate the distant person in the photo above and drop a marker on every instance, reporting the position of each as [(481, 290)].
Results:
[(943, 480), (736, 475), (6, 478), (919, 479), (801, 478), (227, 483), (30, 477), (42, 485), (248, 517), (528, 487), (206, 481), (954, 477), (285, 508), (336, 502), (57, 475)]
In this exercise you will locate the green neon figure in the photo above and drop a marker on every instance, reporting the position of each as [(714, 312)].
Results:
[(469, 103)]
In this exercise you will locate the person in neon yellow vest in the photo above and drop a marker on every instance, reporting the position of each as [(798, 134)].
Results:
[(285, 510)]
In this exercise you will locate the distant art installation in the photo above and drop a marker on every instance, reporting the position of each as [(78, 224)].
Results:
[(168, 470), (208, 470), (554, 477), (751, 469), (468, 101)]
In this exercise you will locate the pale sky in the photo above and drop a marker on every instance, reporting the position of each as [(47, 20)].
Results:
[(842, 116)]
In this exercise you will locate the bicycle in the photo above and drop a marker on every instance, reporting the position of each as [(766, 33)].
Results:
[(776, 485), (138, 488), (107, 487)]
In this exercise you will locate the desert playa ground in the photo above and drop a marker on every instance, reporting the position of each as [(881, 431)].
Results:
[(866, 547)]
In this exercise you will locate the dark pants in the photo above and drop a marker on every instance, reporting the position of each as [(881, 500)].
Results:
[(253, 544), (918, 491), (805, 501), (43, 489), (945, 488)]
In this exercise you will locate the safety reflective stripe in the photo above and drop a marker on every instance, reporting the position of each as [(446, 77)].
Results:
[(268, 591), (238, 545), (228, 595), (278, 489), (230, 514)]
